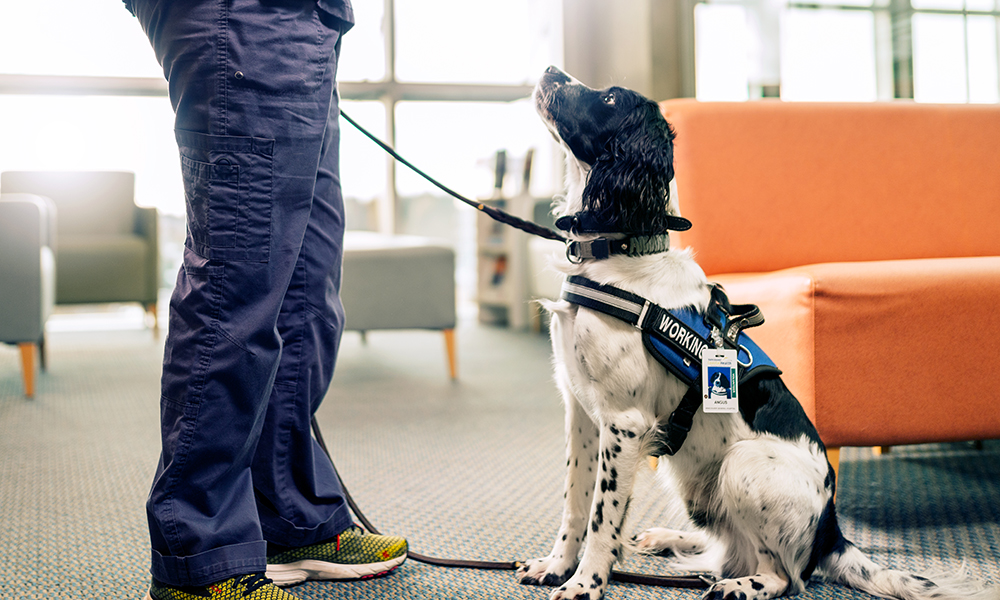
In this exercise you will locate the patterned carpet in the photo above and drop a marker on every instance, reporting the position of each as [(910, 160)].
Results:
[(471, 469)]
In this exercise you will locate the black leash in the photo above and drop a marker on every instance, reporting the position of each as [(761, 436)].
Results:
[(441, 562), (694, 582), (493, 212), (682, 581)]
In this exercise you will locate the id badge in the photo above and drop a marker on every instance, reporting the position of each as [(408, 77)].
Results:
[(719, 381)]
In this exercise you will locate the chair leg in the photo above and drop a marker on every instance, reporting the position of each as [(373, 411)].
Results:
[(28, 367), (449, 345), (151, 311), (43, 354)]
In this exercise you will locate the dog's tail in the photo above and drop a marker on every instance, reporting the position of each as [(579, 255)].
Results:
[(851, 567)]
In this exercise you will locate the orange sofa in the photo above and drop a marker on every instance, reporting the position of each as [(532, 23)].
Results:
[(869, 235)]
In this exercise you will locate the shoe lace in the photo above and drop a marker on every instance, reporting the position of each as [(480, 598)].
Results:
[(252, 582)]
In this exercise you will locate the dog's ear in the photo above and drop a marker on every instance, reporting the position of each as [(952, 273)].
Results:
[(629, 185)]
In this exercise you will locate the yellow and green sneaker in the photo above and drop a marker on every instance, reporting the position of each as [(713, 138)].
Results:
[(250, 587), (354, 554)]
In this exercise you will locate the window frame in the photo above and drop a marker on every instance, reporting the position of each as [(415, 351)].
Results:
[(894, 35), (389, 91)]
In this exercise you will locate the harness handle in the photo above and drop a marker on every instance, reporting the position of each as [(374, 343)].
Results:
[(731, 319)]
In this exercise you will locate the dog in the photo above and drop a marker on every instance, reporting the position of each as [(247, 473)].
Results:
[(720, 385), (757, 482)]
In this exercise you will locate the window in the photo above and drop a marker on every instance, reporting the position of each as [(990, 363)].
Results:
[(850, 50), (463, 41), (450, 69), (444, 79), (73, 37), (828, 54), (450, 50), (722, 41), (955, 57), (100, 133)]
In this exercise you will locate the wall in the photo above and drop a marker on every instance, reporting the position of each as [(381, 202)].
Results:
[(645, 45)]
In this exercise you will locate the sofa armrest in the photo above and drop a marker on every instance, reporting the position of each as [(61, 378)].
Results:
[(27, 269), (885, 352)]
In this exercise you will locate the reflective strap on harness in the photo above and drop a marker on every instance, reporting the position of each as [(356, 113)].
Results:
[(604, 298), (684, 330)]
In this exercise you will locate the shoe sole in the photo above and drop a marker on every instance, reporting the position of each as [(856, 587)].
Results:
[(315, 570)]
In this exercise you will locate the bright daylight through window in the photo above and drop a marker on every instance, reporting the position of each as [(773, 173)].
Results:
[(447, 82)]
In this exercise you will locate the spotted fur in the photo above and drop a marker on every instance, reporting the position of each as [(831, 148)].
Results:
[(756, 483)]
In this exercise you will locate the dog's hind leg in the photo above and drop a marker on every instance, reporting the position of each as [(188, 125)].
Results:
[(581, 473), (620, 453), (774, 494)]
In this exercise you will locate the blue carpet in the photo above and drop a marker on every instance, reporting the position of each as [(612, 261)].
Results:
[(470, 469)]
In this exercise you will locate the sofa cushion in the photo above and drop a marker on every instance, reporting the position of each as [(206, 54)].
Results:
[(83, 273), (899, 351)]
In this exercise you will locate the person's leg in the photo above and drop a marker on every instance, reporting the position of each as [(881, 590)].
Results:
[(251, 84), (300, 500), (299, 496)]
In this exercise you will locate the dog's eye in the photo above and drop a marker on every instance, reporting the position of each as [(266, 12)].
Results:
[(609, 98)]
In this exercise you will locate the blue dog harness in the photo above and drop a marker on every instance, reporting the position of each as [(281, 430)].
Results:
[(676, 339)]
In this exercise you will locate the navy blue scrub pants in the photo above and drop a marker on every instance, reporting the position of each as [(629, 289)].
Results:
[(255, 318)]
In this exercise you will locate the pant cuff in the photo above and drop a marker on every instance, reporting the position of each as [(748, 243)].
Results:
[(280, 531), (210, 566)]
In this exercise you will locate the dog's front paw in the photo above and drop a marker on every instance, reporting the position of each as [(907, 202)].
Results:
[(757, 587), (545, 571), (727, 589), (581, 587)]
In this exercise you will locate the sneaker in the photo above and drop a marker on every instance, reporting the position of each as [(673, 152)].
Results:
[(252, 587), (354, 554)]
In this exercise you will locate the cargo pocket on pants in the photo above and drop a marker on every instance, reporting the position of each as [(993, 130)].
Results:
[(227, 190)]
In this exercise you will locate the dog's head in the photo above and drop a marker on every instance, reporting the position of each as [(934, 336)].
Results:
[(619, 145)]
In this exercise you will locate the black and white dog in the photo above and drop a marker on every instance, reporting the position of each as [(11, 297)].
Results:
[(756, 482)]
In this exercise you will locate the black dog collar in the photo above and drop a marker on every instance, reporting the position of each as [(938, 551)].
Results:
[(604, 247), (585, 222)]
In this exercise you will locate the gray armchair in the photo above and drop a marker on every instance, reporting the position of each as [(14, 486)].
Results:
[(108, 249), (27, 277)]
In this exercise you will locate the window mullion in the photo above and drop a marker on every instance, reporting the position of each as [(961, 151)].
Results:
[(389, 205), (901, 14)]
